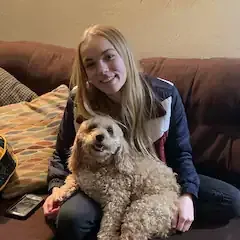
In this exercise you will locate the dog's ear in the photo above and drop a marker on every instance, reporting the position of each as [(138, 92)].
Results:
[(74, 160), (123, 160)]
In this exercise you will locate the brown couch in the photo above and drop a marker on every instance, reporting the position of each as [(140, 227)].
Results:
[(210, 93)]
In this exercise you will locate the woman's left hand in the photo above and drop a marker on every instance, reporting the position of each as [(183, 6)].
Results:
[(183, 221)]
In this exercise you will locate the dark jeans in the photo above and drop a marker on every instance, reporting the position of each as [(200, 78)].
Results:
[(79, 217), (218, 201)]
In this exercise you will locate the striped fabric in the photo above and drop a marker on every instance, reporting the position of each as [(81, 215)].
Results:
[(13, 91)]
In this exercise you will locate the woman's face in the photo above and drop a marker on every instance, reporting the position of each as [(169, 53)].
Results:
[(104, 67)]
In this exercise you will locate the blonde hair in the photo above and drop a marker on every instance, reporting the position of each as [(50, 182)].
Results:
[(137, 104)]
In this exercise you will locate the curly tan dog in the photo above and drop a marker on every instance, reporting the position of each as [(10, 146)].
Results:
[(138, 196)]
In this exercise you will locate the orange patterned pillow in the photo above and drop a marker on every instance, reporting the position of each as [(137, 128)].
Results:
[(31, 129)]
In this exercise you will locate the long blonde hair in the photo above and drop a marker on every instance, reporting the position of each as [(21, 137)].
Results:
[(137, 101)]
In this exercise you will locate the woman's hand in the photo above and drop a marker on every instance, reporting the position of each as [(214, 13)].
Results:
[(51, 205), (183, 221)]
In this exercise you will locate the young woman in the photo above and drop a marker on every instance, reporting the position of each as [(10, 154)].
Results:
[(108, 81)]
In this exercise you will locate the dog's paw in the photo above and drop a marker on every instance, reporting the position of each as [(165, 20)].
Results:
[(60, 195)]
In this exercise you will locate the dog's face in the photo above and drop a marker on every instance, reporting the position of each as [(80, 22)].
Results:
[(100, 137)]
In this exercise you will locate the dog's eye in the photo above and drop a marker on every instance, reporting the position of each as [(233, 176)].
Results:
[(92, 126), (110, 130)]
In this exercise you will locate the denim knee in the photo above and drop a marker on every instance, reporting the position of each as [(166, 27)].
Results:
[(71, 217), (218, 200), (231, 202), (235, 206), (77, 218)]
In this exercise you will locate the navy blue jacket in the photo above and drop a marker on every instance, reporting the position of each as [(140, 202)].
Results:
[(170, 134)]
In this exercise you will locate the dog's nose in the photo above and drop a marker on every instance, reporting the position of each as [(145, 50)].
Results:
[(100, 137)]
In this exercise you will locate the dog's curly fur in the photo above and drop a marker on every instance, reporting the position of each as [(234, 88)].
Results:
[(139, 196)]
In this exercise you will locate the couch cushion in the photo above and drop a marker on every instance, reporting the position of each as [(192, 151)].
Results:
[(12, 91), (31, 128)]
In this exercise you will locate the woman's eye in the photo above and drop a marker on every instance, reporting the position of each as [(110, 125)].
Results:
[(110, 57), (89, 65), (110, 130)]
